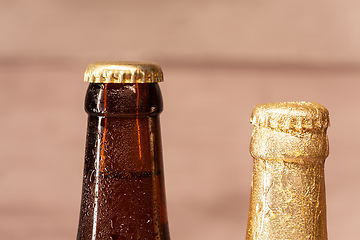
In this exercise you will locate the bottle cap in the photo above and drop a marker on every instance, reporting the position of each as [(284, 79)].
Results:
[(291, 117), (290, 131), (123, 72)]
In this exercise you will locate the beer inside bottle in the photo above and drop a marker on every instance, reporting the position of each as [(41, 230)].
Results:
[(123, 194), (289, 145)]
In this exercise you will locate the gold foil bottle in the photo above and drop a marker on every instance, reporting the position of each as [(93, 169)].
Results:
[(289, 145), (123, 194)]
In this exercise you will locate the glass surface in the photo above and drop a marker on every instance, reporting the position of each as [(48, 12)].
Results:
[(123, 187)]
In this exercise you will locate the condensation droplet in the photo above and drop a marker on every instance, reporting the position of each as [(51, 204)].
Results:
[(92, 176)]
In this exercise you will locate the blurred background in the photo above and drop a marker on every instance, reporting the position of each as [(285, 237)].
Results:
[(220, 59)]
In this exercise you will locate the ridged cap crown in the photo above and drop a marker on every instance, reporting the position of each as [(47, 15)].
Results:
[(123, 72), (291, 117), (290, 132)]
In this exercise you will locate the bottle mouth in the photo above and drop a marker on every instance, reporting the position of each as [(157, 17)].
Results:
[(271, 144), (123, 100)]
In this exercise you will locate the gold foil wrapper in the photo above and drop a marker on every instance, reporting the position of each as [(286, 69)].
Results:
[(289, 146)]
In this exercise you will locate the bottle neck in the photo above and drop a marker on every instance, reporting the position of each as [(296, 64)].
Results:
[(125, 128), (288, 186), (123, 186), (287, 201)]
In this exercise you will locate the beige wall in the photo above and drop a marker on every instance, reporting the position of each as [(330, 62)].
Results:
[(324, 31)]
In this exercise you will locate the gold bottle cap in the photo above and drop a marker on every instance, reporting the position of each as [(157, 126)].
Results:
[(292, 117), (123, 72), (290, 131)]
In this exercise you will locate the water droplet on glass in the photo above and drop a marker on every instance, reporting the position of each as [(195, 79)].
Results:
[(92, 176)]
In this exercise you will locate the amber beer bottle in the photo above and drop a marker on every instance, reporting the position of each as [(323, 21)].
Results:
[(289, 146), (123, 194)]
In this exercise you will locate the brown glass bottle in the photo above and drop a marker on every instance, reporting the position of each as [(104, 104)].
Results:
[(123, 194)]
